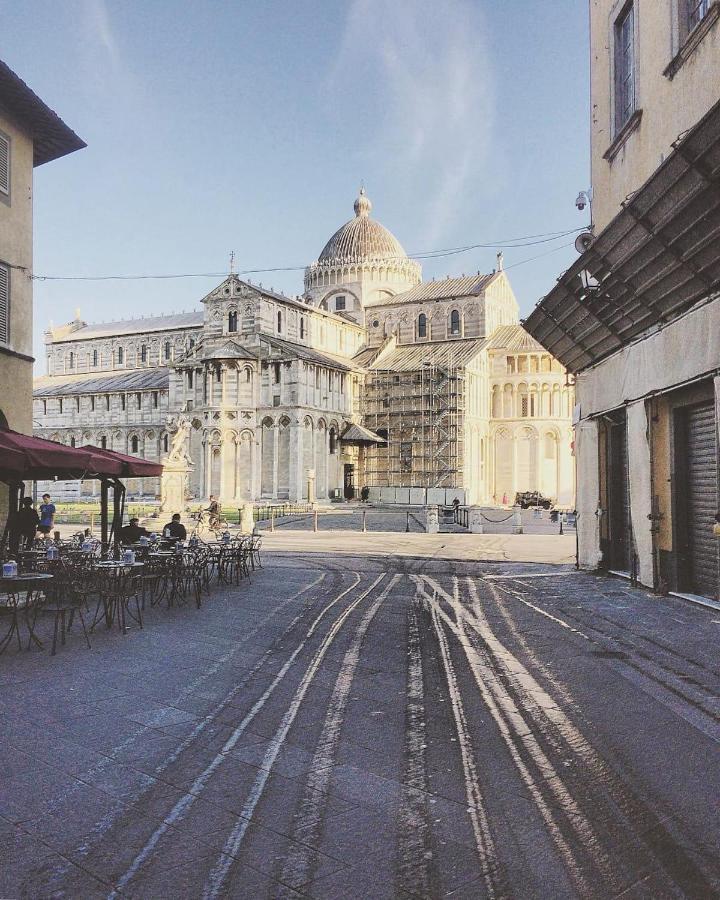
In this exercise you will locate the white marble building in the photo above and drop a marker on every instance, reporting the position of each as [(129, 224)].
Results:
[(267, 386)]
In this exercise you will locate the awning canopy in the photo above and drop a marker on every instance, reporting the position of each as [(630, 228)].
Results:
[(654, 261), (24, 457), (132, 466), (356, 434)]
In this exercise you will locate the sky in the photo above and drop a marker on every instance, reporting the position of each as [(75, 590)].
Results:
[(248, 126)]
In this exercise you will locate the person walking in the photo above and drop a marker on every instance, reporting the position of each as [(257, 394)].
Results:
[(47, 515)]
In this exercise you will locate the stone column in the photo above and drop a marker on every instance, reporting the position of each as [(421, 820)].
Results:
[(208, 466), (275, 460), (296, 473), (255, 466)]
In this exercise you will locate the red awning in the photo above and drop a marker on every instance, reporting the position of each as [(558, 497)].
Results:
[(132, 466), (24, 457)]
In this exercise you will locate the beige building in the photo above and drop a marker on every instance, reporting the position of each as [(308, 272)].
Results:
[(31, 134), (637, 318), (288, 398)]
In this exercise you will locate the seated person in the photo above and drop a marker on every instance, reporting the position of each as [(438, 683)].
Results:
[(175, 530), (132, 532)]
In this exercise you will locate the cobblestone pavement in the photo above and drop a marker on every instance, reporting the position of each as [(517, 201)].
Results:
[(370, 728)]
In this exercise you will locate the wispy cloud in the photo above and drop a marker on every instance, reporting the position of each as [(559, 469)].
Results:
[(96, 18), (427, 66)]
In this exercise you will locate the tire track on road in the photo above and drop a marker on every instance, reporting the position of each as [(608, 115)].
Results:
[(182, 807), (416, 872), (220, 870), (484, 843), (299, 863), (521, 741), (563, 735)]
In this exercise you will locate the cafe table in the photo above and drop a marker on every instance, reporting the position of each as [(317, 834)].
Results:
[(12, 589)]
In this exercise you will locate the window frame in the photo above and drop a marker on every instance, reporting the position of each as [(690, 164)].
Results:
[(422, 325), (624, 82), (453, 330), (6, 140), (5, 286), (341, 299)]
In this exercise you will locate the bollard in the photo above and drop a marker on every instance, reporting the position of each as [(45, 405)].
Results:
[(407, 522), (272, 520), (315, 521), (364, 524), (517, 520)]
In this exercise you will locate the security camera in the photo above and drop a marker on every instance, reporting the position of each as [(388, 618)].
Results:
[(581, 201)]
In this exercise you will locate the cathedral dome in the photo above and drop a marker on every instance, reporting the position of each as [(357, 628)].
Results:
[(362, 239)]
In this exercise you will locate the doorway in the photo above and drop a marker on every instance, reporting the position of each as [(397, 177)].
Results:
[(349, 481)]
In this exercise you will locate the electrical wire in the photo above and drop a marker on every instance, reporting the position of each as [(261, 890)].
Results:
[(507, 244)]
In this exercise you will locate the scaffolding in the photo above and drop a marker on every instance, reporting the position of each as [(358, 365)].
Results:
[(420, 413)]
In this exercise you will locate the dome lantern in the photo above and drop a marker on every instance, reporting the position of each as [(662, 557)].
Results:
[(362, 205)]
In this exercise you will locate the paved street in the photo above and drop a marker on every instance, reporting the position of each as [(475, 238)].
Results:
[(366, 727)]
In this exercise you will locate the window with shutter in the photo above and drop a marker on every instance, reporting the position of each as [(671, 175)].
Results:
[(4, 165), (4, 305)]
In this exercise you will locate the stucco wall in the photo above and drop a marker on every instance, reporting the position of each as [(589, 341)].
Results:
[(669, 105), (16, 250)]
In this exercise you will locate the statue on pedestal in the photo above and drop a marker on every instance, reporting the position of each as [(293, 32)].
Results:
[(177, 465)]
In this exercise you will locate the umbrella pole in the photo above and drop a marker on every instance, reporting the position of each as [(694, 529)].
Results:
[(104, 515), (118, 508)]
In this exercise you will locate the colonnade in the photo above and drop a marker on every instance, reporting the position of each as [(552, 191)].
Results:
[(277, 461), (521, 400)]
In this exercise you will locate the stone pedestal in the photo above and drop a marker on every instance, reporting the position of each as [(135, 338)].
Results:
[(475, 520), (247, 523), (432, 520), (174, 485)]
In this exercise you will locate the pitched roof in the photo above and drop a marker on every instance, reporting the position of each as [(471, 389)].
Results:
[(52, 138), (412, 357), (514, 337), (134, 326), (157, 378), (228, 350), (365, 355), (356, 434), (445, 289), (309, 354)]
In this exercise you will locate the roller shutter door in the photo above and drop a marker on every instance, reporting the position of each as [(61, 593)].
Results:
[(702, 499), (619, 490)]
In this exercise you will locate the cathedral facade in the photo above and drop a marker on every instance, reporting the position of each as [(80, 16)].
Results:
[(421, 391)]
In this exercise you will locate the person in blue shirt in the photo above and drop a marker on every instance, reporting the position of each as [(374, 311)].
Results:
[(47, 515)]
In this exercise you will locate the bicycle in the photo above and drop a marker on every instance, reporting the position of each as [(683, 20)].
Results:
[(217, 524)]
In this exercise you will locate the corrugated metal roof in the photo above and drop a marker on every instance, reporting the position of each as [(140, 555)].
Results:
[(52, 138), (365, 355), (445, 289), (135, 326), (157, 378), (513, 337), (652, 263), (411, 357)]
